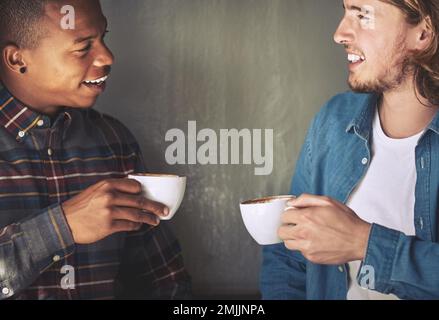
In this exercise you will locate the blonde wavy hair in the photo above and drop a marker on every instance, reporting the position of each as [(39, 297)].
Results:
[(426, 63)]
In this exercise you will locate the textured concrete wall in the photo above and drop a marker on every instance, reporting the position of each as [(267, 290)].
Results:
[(256, 64)]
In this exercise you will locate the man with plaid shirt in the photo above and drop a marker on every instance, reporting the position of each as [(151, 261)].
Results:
[(65, 202)]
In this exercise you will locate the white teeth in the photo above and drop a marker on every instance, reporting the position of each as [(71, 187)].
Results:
[(353, 58), (97, 81)]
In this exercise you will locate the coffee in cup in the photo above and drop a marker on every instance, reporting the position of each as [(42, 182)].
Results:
[(262, 218)]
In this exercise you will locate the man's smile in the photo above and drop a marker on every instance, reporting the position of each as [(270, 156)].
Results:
[(355, 60), (97, 85), (97, 81)]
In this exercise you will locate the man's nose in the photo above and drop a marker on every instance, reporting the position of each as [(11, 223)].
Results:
[(344, 33), (105, 57)]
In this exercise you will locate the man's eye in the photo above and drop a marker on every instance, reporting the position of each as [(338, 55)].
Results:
[(85, 49), (363, 17)]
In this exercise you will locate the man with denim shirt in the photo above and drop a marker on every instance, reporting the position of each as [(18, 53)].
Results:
[(365, 223), (71, 225)]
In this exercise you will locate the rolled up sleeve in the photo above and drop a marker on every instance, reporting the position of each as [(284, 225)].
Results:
[(29, 247)]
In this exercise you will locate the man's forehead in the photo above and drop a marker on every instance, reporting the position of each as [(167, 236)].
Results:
[(357, 5), (88, 17), (379, 8), (81, 7)]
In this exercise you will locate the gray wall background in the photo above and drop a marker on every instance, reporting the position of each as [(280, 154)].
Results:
[(226, 64)]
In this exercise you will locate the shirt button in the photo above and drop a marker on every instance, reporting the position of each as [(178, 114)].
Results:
[(56, 258), (49, 152), (5, 291), (364, 161), (21, 134), (340, 268), (40, 123)]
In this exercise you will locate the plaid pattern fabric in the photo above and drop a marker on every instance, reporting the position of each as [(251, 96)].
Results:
[(44, 162)]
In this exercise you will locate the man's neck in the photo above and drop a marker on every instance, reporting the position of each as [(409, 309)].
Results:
[(403, 113), (20, 95)]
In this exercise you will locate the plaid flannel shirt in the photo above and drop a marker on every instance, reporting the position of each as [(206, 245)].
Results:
[(42, 164)]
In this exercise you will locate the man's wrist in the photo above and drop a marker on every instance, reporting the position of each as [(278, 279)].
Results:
[(363, 240)]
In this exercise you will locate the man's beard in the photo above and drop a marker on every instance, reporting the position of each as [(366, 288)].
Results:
[(393, 77), (390, 80)]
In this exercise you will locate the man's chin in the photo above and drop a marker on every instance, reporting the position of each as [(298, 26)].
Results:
[(360, 89), (84, 104), (362, 86)]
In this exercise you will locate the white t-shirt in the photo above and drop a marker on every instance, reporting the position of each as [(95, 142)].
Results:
[(386, 195)]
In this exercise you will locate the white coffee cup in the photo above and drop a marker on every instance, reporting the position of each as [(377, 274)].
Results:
[(262, 218), (166, 189)]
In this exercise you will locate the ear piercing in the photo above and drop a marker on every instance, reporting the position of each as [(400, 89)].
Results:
[(23, 69)]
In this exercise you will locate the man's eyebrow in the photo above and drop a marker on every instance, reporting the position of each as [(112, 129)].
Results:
[(82, 39), (352, 8)]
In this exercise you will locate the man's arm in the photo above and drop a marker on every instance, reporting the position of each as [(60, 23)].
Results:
[(328, 232), (402, 265), (29, 247), (283, 273)]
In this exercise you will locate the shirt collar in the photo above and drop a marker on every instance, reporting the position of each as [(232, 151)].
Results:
[(363, 117), (18, 119), (434, 125)]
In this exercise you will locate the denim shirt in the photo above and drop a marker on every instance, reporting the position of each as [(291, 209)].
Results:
[(333, 160)]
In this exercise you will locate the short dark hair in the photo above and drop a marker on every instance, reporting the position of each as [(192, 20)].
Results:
[(19, 22)]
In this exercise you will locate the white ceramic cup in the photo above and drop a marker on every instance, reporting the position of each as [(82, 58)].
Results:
[(166, 189), (262, 218)]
